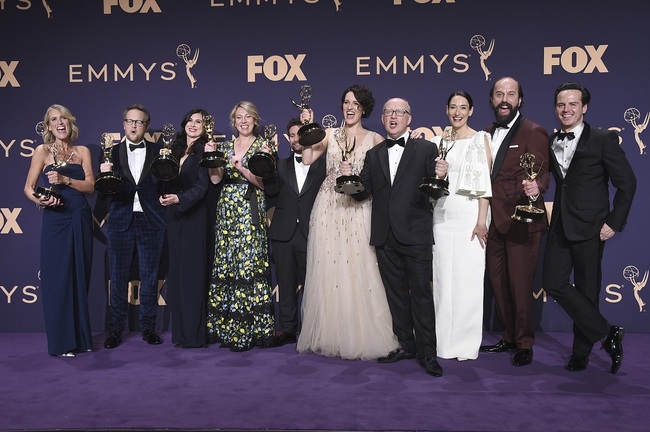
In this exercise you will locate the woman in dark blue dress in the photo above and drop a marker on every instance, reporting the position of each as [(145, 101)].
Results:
[(66, 235), (187, 235)]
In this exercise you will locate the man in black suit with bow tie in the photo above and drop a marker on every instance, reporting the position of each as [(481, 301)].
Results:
[(584, 162), (294, 189), (136, 221), (402, 232)]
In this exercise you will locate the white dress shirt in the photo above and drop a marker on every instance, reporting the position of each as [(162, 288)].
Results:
[(395, 154), (499, 135), (301, 172), (136, 164), (566, 148)]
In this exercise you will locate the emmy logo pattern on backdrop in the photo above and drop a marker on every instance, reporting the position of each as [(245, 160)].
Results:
[(631, 273), (183, 52), (477, 42), (631, 116)]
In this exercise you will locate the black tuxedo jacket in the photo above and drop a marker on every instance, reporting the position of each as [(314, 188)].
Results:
[(121, 203), (291, 205), (401, 206), (581, 202)]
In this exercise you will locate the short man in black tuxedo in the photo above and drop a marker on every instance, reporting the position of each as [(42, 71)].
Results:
[(294, 190), (402, 232), (136, 221), (584, 162)]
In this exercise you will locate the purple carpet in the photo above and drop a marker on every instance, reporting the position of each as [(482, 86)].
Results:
[(142, 387)]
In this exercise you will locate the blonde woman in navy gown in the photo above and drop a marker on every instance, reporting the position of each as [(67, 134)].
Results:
[(66, 234), (187, 232)]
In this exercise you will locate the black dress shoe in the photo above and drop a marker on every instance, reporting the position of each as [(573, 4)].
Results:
[(431, 366), (284, 339), (613, 344), (151, 337), (395, 356), (113, 340), (499, 347), (577, 363), (522, 357)]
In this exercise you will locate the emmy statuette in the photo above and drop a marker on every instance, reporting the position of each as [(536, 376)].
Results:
[(41, 192), (310, 133), (435, 186), (108, 182), (165, 166), (529, 213), (216, 158), (346, 184), (262, 164)]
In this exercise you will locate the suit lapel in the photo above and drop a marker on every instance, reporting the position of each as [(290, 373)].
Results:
[(148, 160), (124, 161), (552, 157), (580, 148), (291, 174), (383, 160), (505, 145)]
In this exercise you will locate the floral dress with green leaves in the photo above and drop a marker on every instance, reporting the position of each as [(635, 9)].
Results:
[(240, 307)]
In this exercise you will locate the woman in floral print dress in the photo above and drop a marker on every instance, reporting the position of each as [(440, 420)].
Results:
[(240, 308)]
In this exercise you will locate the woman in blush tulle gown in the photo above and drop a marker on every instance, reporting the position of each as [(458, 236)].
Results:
[(344, 312)]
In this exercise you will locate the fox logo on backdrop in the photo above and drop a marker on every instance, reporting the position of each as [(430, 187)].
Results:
[(8, 73), (286, 67), (132, 6), (575, 59), (9, 221)]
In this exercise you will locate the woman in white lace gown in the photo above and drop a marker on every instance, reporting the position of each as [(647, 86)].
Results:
[(460, 226), (344, 307)]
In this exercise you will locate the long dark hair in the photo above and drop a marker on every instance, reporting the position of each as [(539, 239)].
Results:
[(180, 144)]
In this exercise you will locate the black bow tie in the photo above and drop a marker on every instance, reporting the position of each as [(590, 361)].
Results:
[(391, 142), (299, 159), (562, 135), (501, 125), (136, 146)]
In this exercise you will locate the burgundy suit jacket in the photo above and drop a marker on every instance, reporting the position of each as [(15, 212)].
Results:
[(525, 136)]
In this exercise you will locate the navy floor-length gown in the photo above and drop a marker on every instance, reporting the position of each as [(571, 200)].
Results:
[(66, 257)]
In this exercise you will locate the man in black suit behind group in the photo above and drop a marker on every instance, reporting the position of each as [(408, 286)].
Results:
[(402, 232), (294, 190), (584, 161), (136, 221)]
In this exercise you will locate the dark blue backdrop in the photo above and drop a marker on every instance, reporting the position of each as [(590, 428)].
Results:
[(98, 56)]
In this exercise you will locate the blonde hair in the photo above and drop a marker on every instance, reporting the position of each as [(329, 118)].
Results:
[(251, 109), (48, 136)]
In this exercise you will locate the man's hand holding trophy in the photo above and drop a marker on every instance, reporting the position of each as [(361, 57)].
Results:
[(529, 213), (108, 182), (438, 186)]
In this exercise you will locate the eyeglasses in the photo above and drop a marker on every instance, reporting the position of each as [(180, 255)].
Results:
[(138, 123), (398, 112)]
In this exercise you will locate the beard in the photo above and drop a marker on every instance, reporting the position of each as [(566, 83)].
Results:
[(505, 119)]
